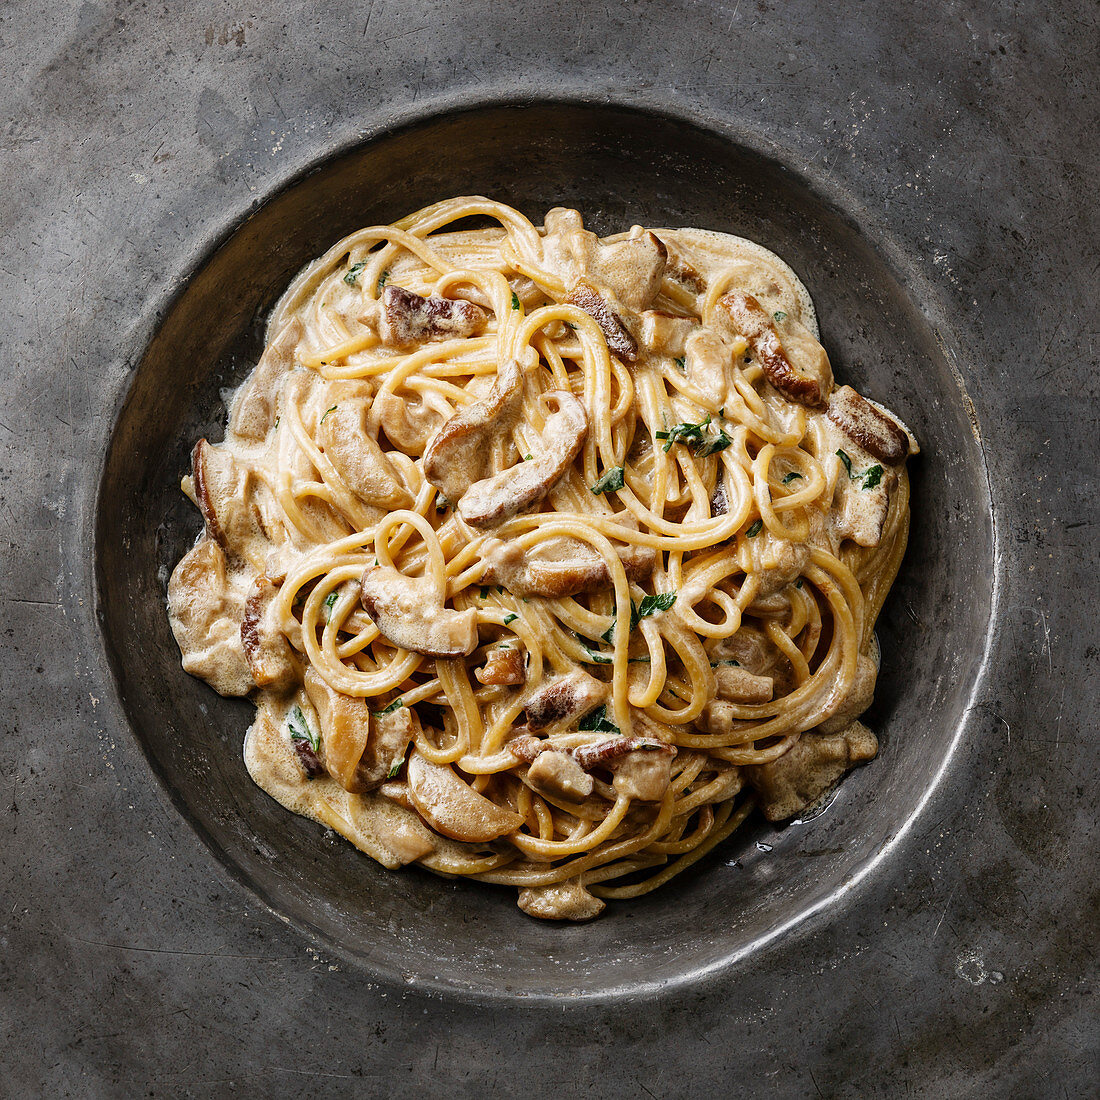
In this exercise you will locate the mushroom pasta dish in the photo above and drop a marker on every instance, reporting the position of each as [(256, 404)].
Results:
[(546, 558)]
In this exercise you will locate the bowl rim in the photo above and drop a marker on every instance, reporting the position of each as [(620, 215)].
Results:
[(873, 230)]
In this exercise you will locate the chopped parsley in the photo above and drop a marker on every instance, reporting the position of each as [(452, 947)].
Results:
[(397, 764), (798, 583), (330, 599), (527, 458), (681, 362), (779, 315), (352, 272), (650, 605), (597, 722), (510, 618), (515, 300), (868, 479), (597, 657), (299, 728), (755, 529), (331, 408), (610, 481), (788, 478), (694, 437), (383, 279), (484, 594), (396, 704), (725, 664)]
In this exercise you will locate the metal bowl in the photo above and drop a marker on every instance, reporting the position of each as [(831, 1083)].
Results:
[(619, 167)]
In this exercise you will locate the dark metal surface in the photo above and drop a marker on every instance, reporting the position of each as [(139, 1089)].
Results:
[(962, 146)]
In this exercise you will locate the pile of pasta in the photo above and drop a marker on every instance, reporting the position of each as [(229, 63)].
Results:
[(545, 557)]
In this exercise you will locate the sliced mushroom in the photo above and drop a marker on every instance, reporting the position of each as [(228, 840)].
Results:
[(409, 612), (364, 467), (680, 271), (408, 319), (568, 900), (609, 751), (564, 700), (345, 730), (619, 340), (452, 807), (861, 503), (560, 566), (797, 365), (526, 747), (706, 363), (666, 332), (253, 411), (504, 665), (477, 440), (270, 656), (860, 695), (408, 424), (640, 766), (809, 770), (558, 775), (205, 613), (748, 647), (499, 497), (870, 426), (738, 685), (630, 270), (223, 489)]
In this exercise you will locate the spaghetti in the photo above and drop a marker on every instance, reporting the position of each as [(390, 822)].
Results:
[(546, 558)]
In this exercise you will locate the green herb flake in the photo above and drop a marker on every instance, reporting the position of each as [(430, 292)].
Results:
[(330, 599), (788, 478), (527, 458), (515, 300), (397, 764), (872, 476), (352, 272), (396, 704), (712, 446), (779, 315), (382, 280), (725, 664), (484, 594), (596, 721), (842, 455), (650, 605), (510, 618), (611, 481), (569, 324), (331, 408), (299, 728), (798, 583), (681, 362), (755, 529)]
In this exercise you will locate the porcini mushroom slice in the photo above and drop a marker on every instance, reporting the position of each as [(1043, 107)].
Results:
[(223, 490), (358, 459), (269, 654), (345, 730), (452, 807), (504, 665), (409, 611), (796, 366), (205, 613), (497, 498), (809, 769), (568, 900), (408, 318), (564, 699), (408, 424), (558, 775), (738, 685), (869, 426), (254, 406), (666, 332), (560, 566), (587, 297), (477, 440)]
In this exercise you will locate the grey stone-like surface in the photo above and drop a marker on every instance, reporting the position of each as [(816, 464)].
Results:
[(135, 135)]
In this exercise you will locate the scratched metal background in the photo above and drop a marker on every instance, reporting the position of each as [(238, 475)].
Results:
[(133, 135)]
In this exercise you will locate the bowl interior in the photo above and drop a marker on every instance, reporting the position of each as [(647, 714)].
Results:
[(619, 167)]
